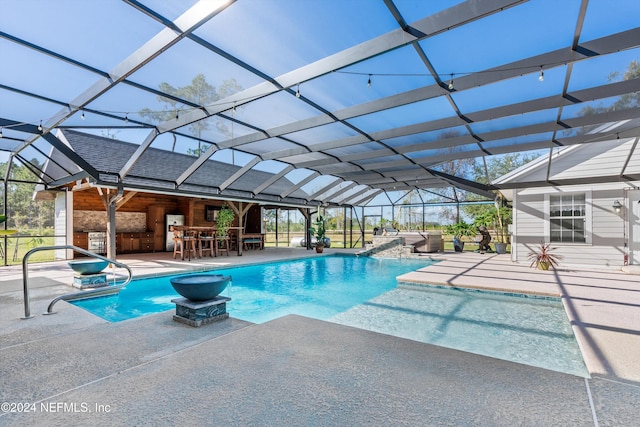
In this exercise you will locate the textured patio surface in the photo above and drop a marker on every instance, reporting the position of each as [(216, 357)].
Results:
[(78, 370)]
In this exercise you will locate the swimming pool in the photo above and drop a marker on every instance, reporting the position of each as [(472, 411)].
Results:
[(362, 292), (317, 287)]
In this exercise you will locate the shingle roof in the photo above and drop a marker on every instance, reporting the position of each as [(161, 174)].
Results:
[(161, 168)]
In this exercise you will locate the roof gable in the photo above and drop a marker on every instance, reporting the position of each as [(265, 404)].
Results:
[(602, 160)]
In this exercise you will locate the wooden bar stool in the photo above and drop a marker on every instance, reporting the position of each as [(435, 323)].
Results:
[(191, 243), (178, 244), (185, 241), (207, 243), (232, 243), (222, 244)]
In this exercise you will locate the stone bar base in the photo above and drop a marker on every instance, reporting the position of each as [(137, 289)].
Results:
[(89, 281), (198, 313)]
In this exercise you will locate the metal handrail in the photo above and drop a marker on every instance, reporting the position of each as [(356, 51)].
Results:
[(25, 278)]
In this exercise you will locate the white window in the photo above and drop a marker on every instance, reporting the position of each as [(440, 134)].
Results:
[(569, 218)]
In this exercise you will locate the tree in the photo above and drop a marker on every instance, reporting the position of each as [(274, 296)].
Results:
[(22, 211), (626, 101), (198, 92), (109, 133), (459, 167), (500, 165), (496, 167)]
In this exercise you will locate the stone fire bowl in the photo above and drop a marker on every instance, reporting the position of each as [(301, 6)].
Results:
[(89, 266), (200, 287)]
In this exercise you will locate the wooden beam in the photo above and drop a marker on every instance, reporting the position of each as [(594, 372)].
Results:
[(82, 185), (121, 202)]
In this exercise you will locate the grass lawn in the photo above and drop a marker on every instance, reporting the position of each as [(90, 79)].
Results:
[(14, 254)]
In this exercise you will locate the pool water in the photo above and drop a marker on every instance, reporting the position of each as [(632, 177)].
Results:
[(314, 287), (528, 330)]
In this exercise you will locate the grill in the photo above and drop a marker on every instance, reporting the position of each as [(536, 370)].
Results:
[(97, 242)]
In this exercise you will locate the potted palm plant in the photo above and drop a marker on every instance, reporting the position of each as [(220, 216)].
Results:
[(318, 231), (543, 258), (503, 215)]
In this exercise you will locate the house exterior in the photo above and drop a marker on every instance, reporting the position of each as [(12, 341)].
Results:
[(130, 213), (584, 199)]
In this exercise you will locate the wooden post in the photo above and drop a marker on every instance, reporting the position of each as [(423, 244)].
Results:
[(109, 201), (240, 210)]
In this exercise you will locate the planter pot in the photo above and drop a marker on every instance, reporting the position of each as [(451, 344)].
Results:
[(501, 248), (319, 249), (543, 265)]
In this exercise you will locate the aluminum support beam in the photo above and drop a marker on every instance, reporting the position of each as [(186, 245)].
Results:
[(300, 184), (136, 156), (55, 143), (273, 179), (332, 196), (439, 22), (353, 196), (246, 168), (193, 18), (362, 200), (606, 45), (323, 189)]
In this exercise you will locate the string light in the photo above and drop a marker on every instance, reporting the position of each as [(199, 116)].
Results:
[(450, 86), (524, 70), (126, 117), (0, 132)]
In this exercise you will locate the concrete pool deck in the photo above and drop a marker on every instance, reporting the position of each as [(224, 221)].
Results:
[(78, 369)]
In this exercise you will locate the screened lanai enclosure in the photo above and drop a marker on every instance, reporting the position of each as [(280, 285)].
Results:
[(369, 110)]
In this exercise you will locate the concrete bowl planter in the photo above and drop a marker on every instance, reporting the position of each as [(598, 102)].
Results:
[(88, 266), (200, 287)]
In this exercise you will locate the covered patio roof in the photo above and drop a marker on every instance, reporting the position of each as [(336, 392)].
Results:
[(345, 102)]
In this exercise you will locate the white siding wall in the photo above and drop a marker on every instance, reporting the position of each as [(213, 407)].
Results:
[(60, 225), (607, 247)]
